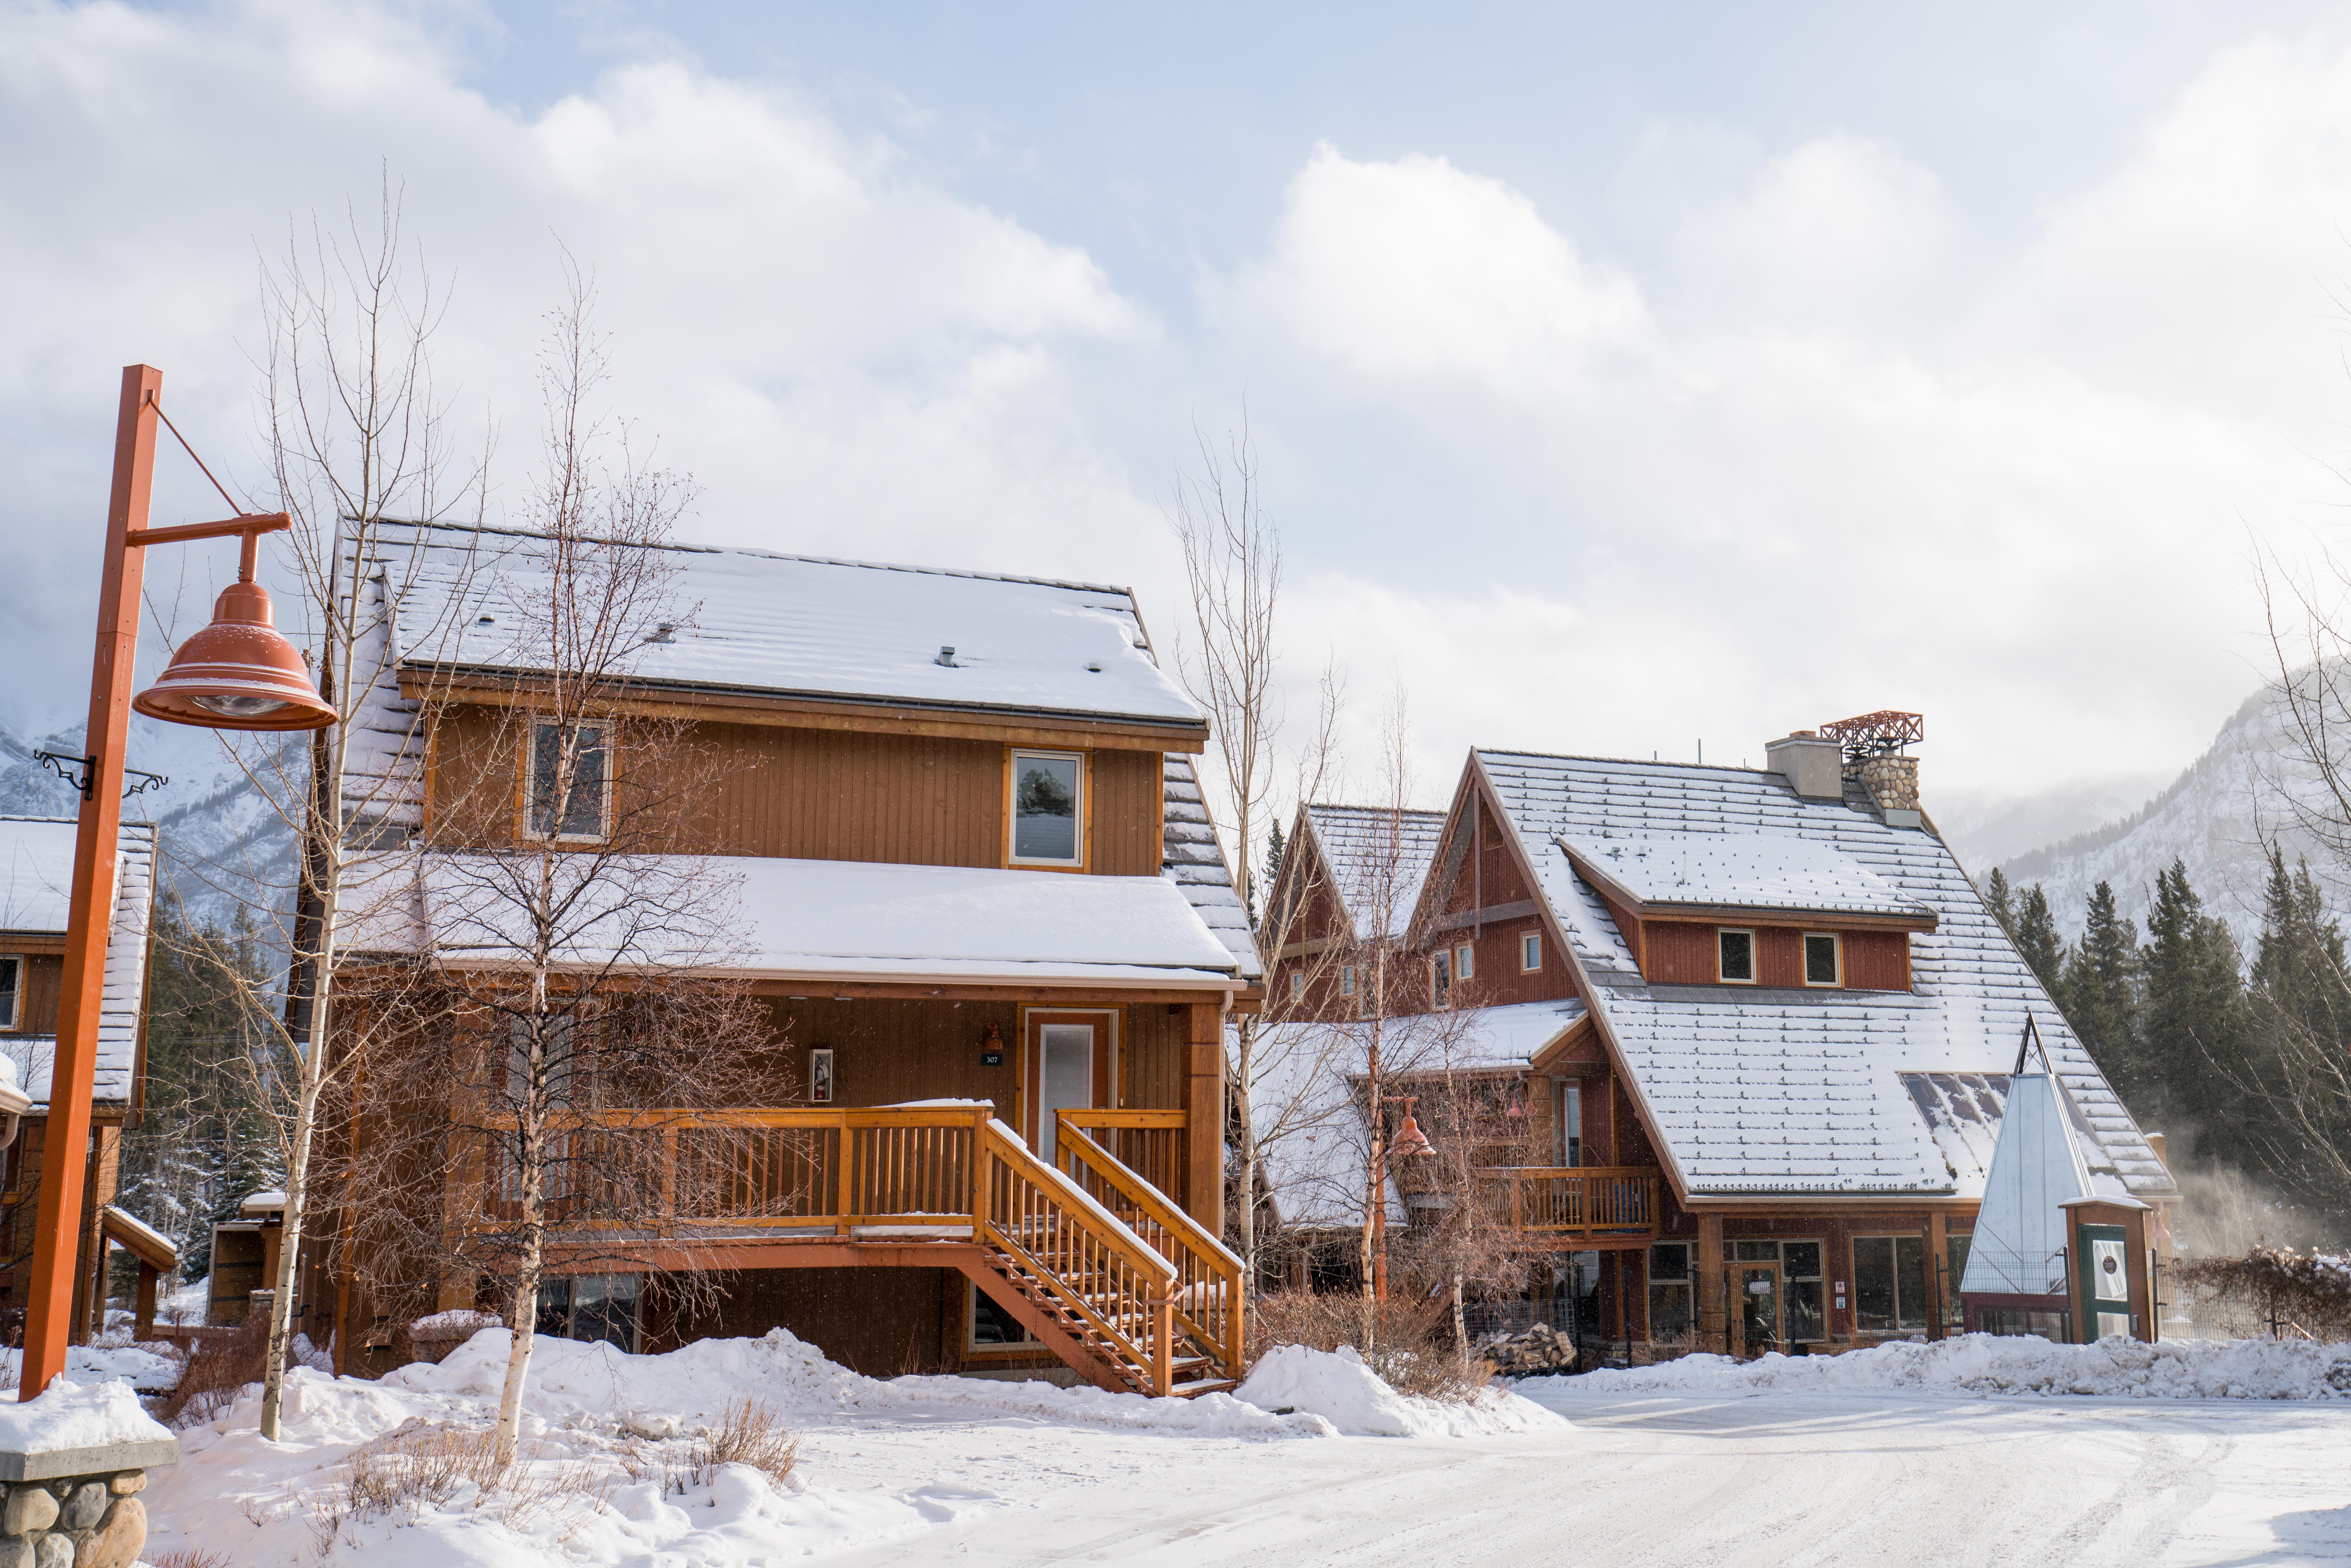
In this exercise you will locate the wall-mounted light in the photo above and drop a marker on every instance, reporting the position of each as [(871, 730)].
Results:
[(991, 1047)]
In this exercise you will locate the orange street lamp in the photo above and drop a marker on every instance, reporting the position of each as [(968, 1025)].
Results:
[(236, 674)]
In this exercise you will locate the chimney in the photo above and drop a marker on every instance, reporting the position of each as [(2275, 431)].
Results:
[(1892, 780), (1812, 763)]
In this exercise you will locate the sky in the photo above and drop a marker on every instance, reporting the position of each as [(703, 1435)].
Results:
[(1620, 379)]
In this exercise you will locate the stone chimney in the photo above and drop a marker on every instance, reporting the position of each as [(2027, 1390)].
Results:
[(1812, 764), (1892, 782)]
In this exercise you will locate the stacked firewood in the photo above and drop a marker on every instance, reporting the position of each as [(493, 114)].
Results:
[(1540, 1349)]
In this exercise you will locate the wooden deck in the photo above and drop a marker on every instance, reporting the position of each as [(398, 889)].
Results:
[(1605, 1205), (1097, 1261)]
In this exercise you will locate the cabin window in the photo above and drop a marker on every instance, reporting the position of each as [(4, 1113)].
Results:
[(1735, 956), (1889, 1283), (556, 1061), (1346, 979), (578, 810), (1440, 974), (1047, 808), (1824, 959), (590, 1307), (1955, 1251), (1297, 985), (1570, 1122), (993, 1328), (12, 988), (1465, 961), (1669, 1291), (1529, 952)]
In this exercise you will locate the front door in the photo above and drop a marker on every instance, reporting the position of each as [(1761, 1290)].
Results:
[(1758, 1306), (2106, 1280), (1066, 1066)]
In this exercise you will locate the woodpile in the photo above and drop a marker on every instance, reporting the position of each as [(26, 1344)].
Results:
[(1540, 1349)]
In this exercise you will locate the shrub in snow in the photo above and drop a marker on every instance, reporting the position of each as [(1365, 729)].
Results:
[(1401, 1350), (2277, 1285), (1338, 1386)]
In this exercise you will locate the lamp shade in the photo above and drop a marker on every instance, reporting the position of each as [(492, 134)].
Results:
[(1410, 1141), (237, 674)]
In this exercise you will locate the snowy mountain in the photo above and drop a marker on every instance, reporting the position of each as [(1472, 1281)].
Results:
[(2216, 816), (224, 846)]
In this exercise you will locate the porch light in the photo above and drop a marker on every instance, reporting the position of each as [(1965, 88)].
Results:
[(238, 672)]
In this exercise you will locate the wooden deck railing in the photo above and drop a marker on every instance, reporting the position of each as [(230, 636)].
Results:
[(951, 1172), (1207, 1276), (1576, 1201), (1151, 1144)]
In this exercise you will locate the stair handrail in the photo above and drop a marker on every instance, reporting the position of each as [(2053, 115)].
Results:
[(1200, 1256), (1155, 1275)]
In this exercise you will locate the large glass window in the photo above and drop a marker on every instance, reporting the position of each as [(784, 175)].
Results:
[(1955, 1249), (568, 793), (1799, 1271), (1670, 1308), (1570, 1123), (1889, 1283), (1048, 806), (1734, 953), (590, 1307)]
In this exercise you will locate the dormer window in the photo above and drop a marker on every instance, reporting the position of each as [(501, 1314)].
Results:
[(1049, 808), (1734, 956), (12, 988), (1823, 959)]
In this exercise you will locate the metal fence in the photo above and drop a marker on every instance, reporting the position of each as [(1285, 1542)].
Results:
[(1483, 1320)]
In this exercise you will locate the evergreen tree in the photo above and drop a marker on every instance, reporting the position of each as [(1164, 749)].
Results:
[(1273, 852), (2037, 941), (2194, 1033), (2298, 999), (2001, 902), (2099, 992)]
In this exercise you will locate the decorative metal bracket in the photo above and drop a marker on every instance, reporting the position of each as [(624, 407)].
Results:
[(81, 772)]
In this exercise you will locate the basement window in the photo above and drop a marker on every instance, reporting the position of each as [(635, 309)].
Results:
[(12, 988), (1048, 809), (571, 789), (1735, 956), (1529, 952), (1823, 959)]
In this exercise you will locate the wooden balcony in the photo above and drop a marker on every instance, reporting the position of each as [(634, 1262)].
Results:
[(1097, 1260), (1595, 1203)]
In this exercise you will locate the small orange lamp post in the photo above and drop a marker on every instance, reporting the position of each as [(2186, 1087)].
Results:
[(236, 674)]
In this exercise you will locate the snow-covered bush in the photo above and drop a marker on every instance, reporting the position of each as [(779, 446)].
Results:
[(2279, 1288), (1403, 1348)]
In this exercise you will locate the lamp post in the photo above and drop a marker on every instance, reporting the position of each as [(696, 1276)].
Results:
[(236, 674), (1410, 1143)]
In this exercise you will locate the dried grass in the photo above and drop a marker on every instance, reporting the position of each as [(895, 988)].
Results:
[(218, 1370), (747, 1435), (1408, 1345), (418, 1466), (190, 1557)]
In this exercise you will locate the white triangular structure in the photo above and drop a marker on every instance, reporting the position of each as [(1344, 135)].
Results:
[(2036, 1167)]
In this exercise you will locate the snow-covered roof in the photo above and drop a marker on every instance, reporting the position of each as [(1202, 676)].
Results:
[(1308, 1109), (2018, 1245), (845, 921), (1727, 870), (37, 857), (1755, 1090), (757, 622), (1192, 859), (1378, 857)]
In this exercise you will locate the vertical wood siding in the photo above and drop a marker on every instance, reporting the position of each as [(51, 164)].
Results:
[(1682, 953)]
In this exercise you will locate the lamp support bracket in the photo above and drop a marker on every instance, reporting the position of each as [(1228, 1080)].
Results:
[(81, 772)]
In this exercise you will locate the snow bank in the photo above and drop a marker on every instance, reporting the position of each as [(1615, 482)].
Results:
[(75, 1415), (1337, 1387), (140, 1365), (1989, 1363), (598, 1419)]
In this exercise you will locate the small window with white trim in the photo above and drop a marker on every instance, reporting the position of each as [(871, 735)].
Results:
[(1734, 956), (1529, 952), (1440, 974), (12, 988), (571, 786), (1823, 959), (1346, 979), (1465, 961), (1049, 804), (1297, 985)]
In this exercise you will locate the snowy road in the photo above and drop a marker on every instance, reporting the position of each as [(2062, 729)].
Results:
[(1776, 1478)]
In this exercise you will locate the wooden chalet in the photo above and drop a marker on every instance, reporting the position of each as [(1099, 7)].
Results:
[(37, 856), (982, 904), (1754, 1030)]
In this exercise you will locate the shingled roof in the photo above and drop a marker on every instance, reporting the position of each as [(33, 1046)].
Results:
[(1761, 1091), (37, 856), (1375, 854)]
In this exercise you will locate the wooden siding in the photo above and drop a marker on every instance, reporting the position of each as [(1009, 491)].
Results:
[(1682, 953), (805, 794), (44, 979)]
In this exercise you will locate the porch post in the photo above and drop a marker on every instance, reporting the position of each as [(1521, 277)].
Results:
[(1712, 1325), (1203, 1117)]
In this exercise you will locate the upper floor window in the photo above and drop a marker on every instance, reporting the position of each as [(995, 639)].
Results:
[(1346, 979), (1297, 985), (1465, 961), (1824, 959), (1440, 974), (1530, 952), (1735, 956), (12, 988), (1047, 808), (570, 796)]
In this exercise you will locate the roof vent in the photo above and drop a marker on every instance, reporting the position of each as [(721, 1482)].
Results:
[(665, 633), (946, 657), (1093, 666), (488, 620)]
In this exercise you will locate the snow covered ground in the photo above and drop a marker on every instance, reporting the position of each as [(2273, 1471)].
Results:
[(1901, 1456)]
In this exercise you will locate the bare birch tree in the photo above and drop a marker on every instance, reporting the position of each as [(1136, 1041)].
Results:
[(568, 1022), (354, 433), (1231, 664)]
